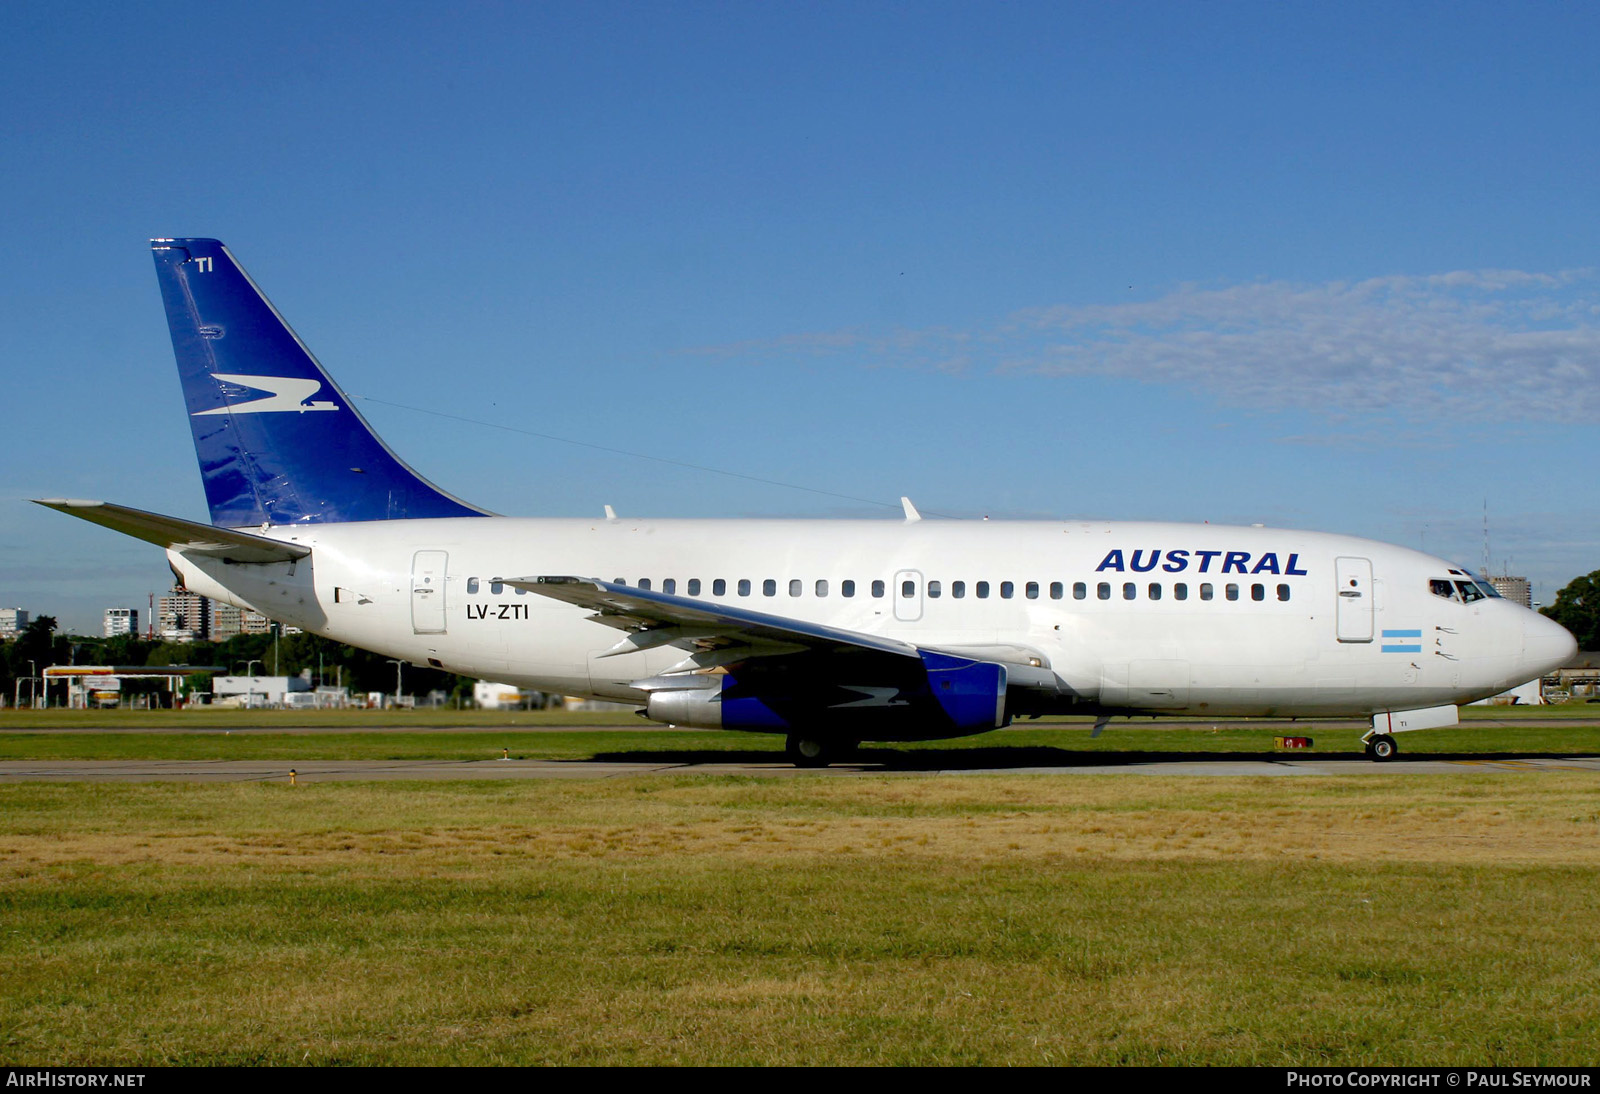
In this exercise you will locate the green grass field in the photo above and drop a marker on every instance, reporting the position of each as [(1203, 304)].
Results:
[(994, 920), (999, 919)]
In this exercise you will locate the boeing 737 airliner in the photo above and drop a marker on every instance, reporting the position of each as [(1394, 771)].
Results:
[(831, 632)]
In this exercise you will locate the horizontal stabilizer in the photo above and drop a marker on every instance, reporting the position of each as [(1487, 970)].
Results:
[(179, 535)]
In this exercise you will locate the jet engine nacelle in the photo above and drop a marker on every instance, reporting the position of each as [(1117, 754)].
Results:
[(937, 694), (689, 699)]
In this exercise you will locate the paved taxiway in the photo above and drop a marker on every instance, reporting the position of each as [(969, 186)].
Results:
[(392, 770)]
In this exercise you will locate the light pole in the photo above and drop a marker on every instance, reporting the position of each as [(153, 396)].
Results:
[(397, 664), (249, 694), (33, 688)]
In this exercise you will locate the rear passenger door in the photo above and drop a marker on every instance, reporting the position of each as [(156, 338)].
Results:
[(427, 592)]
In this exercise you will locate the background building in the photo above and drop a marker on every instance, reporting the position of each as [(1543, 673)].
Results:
[(120, 621), (1515, 589), (224, 621), (488, 695), (259, 691), (228, 622), (256, 623), (12, 621), (183, 616)]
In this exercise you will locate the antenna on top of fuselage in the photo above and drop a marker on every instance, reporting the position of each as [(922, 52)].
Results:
[(1487, 569)]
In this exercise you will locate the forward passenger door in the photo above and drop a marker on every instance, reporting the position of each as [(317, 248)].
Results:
[(1353, 578)]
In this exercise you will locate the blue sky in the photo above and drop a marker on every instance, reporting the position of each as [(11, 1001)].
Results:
[(1324, 266)]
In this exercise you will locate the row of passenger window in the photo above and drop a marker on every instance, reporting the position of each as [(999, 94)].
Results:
[(1180, 591), (1155, 590)]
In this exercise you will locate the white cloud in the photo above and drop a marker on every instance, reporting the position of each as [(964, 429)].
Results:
[(1473, 344)]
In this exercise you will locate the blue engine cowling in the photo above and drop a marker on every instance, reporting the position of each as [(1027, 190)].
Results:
[(939, 695)]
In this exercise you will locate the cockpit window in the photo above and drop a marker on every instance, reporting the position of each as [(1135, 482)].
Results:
[(1464, 591)]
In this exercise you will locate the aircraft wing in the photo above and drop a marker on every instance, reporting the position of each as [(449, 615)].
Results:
[(180, 535), (656, 619), (797, 673)]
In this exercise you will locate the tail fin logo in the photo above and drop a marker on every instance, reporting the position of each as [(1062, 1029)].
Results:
[(287, 393)]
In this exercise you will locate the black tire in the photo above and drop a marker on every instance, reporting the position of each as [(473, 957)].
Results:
[(805, 750), (1382, 747)]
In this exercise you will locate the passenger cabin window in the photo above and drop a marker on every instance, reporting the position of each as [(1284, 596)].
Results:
[(670, 585), (1180, 591), (908, 589), (1129, 590), (1283, 592), (847, 588), (983, 590), (794, 586), (719, 587), (958, 589), (934, 589), (1032, 590), (644, 583), (744, 586), (1103, 590), (769, 587), (1007, 589), (496, 586), (1079, 590), (878, 589), (694, 586), (1258, 592), (1155, 590), (1232, 591), (822, 587), (1057, 591), (1205, 590), (472, 586)]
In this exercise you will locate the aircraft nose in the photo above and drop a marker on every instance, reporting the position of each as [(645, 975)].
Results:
[(1546, 645)]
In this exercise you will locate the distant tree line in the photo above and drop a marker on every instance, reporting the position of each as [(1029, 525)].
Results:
[(356, 669), (1577, 608)]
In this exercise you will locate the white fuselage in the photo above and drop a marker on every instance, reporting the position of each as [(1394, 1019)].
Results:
[(1149, 617)]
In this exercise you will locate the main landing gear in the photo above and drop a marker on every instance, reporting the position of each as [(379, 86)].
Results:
[(805, 750), (1381, 747)]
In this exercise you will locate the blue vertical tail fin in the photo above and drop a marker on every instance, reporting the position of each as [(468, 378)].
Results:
[(277, 441)]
